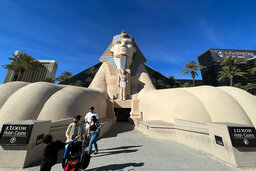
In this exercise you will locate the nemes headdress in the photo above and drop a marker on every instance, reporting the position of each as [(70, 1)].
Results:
[(108, 56)]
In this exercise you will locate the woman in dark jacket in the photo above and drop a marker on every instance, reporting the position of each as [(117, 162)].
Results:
[(94, 131)]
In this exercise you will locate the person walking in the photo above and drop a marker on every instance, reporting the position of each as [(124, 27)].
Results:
[(94, 131), (75, 130), (50, 154), (88, 117)]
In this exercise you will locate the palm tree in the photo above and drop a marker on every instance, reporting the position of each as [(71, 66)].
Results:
[(91, 71), (154, 82), (186, 84), (15, 66), (253, 70), (20, 64), (250, 87), (160, 84), (173, 81), (89, 80), (191, 67), (49, 80), (28, 64), (64, 77), (78, 83), (230, 68), (239, 85)]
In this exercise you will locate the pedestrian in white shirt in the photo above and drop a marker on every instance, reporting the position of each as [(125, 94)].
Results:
[(88, 117)]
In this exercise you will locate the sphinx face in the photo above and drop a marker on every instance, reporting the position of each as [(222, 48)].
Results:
[(123, 48)]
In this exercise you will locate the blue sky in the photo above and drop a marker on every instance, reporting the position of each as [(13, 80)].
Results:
[(169, 33)]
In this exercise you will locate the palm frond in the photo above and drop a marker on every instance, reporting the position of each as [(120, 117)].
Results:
[(240, 74), (252, 70), (222, 75)]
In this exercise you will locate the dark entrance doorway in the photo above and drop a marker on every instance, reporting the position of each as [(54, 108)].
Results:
[(122, 114)]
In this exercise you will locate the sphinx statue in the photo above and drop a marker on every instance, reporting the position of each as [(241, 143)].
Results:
[(122, 54)]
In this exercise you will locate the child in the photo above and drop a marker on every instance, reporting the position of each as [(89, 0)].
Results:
[(50, 154), (72, 163)]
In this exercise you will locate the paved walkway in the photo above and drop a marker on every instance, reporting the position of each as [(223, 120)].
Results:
[(125, 148)]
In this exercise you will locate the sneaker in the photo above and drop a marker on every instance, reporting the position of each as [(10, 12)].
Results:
[(96, 152)]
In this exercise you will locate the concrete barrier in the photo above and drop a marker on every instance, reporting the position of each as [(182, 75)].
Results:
[(19, 155), (212, 138)]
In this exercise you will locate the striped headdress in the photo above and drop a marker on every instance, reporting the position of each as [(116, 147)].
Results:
[(108, 57)]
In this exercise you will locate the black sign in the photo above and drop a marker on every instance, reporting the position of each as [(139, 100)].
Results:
[(39, 139), (15, 134), (243, 136), (218, 140)]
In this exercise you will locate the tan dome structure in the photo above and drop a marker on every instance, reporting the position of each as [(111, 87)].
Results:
[(47, 101), (70, 101), (202, 104), (8, 89)]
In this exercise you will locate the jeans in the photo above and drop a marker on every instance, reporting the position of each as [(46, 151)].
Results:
[(94, 137)]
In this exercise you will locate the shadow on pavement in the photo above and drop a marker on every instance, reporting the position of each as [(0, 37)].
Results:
[(101, 154), (118, 166), (119, 127), (60, 157), (118, 150), (122, 147)]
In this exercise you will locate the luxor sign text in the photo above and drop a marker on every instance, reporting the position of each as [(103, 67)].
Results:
[(240, 133), (243, 136), (15, 134), (15, 131)]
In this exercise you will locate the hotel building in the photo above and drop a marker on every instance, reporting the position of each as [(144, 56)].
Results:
[(47, 70), (210, 59)]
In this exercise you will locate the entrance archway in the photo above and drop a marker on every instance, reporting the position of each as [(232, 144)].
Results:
[(122, 114)]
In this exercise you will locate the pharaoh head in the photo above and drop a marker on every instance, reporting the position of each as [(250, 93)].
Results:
[(123, 50), (122, 71)]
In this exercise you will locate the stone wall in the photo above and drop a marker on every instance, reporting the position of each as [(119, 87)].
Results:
[(201, 137)]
